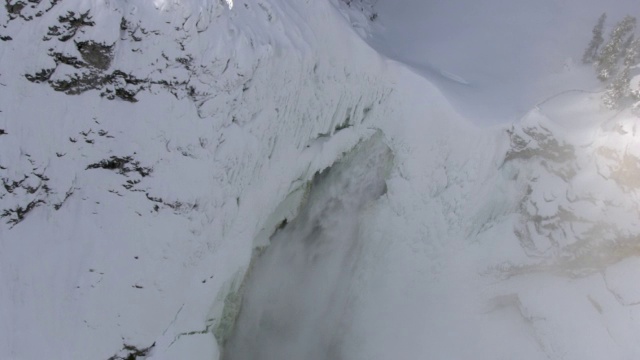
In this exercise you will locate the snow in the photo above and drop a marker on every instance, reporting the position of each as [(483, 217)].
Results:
[(507, 229), (617, 281)]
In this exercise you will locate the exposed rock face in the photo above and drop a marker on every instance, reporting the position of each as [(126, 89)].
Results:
[(95, 54)]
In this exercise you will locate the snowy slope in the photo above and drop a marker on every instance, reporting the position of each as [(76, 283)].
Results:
[(147, 150)]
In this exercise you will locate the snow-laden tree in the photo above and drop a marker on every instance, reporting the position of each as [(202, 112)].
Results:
[(591, 53), (621, 88), (607, 64), (616, 63), (618, 90), (632, 53)]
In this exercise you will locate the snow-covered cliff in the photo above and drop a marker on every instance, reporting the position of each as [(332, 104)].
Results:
[(145, 144)]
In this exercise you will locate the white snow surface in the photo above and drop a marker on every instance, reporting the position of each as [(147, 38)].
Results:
[(501, 242)]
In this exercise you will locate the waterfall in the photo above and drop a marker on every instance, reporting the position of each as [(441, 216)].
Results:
[(297, 295)]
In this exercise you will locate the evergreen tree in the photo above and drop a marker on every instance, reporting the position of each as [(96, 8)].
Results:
[(618, 90), (632, 53), (591, 53), (607, 63), (627, 43)]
